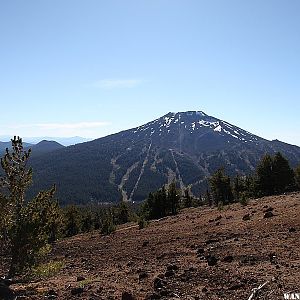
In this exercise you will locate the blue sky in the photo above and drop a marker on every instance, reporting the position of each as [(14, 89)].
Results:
[(90, 68)]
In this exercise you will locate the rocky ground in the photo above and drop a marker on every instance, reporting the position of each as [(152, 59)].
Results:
[(202, 253)]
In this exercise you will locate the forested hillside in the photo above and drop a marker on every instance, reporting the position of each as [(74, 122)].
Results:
[(186, 146)]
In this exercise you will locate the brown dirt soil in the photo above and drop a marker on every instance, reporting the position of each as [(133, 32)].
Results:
[(261, 249)]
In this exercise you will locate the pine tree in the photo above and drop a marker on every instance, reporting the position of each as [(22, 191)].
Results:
[(25, 226), (250, 186), (108, 225), (297, 177), (86, 220), (274, 175), (158, 204), (220, 187), (49, 214), (163, 202), (283, 175), (265, 176), (150, 209), (208, 198), (145, 210), (238, 187), (187, 199), (122, 213), (72, 220), (173, 198)]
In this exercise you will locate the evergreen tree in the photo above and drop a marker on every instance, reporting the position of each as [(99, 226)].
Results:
[(173, 198), (200, 201), (87, 220), (243, 187), (25, 226), (297, 177), (157, 204), (72, 220), (49, 213), (108, 225), (274, 175), (208, 198), (187, 199), (122, 213), (97, 219), (265, 178), (238, 187), (145, 208), (220, 187), (283, 175), (163, 203), (250, 186), (153, 208)]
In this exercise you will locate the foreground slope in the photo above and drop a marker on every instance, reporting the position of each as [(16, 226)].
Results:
[(186, 146), (176, 248)]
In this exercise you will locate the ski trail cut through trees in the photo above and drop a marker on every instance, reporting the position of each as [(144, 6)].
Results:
[(124, 179), (115, 166), (141, 173), (182, 186), (171, 176), (155, 161)]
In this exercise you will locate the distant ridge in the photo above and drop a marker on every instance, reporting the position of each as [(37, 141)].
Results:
[(4, 145), (44, 147), (66, 141)]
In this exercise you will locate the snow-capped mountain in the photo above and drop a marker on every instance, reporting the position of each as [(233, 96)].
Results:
[(183, 129), (195, 123), (186, 146)]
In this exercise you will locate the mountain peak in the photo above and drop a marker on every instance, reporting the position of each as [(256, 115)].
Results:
[(45, 146), (175, 126), (186, 113), (47, 142)]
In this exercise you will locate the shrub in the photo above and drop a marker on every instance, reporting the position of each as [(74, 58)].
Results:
[(243, 199), (142, 223), (108, 225)]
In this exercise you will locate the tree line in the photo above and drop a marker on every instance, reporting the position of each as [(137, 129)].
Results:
[(273, 175)]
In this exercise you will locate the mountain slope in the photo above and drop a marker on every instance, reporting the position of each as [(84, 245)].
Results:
[(65, 141), (186, 146)]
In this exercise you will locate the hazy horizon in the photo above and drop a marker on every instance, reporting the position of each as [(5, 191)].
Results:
[(68, 140)]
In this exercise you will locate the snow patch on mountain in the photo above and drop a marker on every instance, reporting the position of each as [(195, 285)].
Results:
[(218, 128), (193, 122)]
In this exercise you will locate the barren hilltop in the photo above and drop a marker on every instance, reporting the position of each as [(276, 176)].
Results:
[(202, 253)]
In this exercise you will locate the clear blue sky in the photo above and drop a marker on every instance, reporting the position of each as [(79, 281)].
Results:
[(90, 68)]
